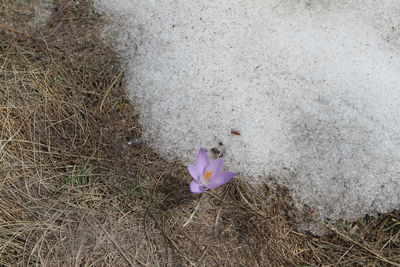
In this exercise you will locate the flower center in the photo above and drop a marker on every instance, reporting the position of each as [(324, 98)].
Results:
[(207, 175)]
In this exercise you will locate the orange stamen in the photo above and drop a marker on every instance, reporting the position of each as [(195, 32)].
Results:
[(207, 175)]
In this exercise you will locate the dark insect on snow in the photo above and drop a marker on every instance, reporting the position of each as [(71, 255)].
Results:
[(235, 132)]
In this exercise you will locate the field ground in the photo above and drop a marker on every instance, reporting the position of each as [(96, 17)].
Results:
[(73, 192)]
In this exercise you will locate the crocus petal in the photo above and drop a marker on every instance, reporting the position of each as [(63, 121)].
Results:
[(194, 172), (220, 179), (202, 160), (215, 167), (196, 188)]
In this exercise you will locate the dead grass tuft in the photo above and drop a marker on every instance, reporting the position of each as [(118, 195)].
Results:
[(78, 187)]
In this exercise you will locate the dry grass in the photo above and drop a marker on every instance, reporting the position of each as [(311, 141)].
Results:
[(74, 193)]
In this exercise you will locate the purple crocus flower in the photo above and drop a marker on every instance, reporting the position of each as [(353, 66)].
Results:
[(206, 174)]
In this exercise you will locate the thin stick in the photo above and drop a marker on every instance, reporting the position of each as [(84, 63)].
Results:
[(9, 29), (377, 255), (219, 213), (120, 250), (109, 89), (192, 215)]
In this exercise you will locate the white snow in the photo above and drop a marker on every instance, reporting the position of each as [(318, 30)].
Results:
[(313, 87), (42, 12)]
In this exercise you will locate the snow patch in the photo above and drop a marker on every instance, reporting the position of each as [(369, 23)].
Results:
[(42, 12), (313, 88)]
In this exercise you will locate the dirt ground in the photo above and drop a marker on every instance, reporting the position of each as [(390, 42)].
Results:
[(79, 187)]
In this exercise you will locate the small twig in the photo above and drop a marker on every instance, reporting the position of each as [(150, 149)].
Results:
[(120, 250), (109, 89), (347, 251), (9, 139), (251, 206), (192, 215), (9, 29), (377, 255), (202, 255), (219, 213), (170, 240)]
